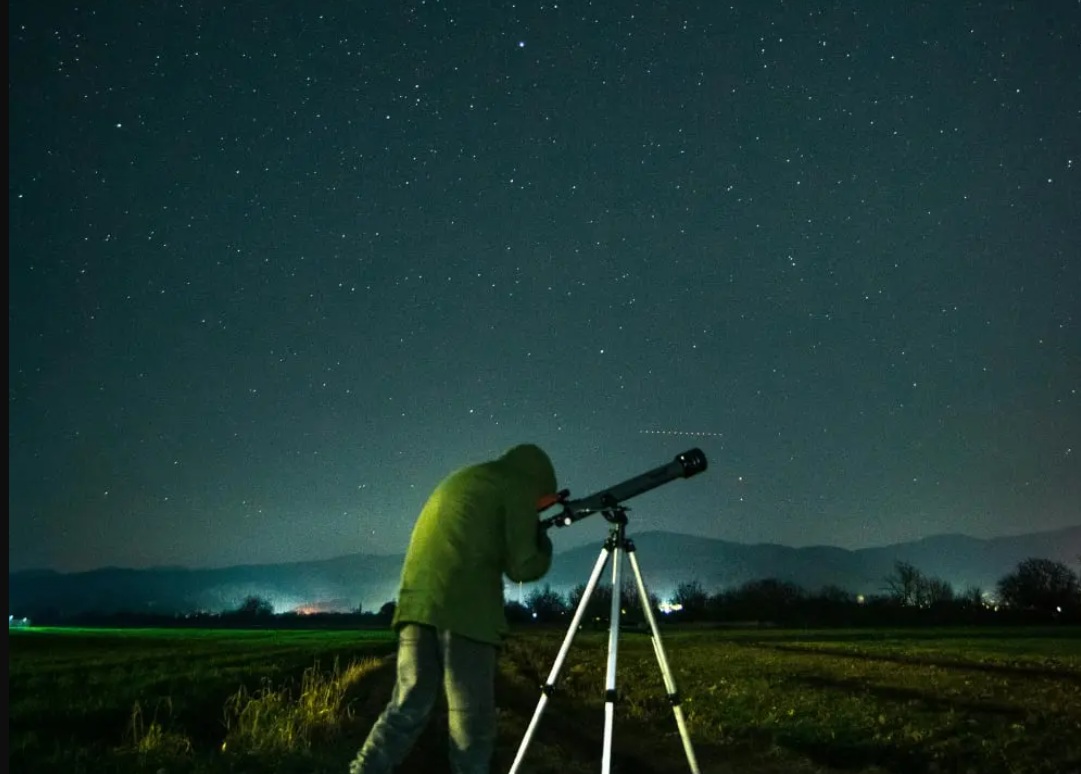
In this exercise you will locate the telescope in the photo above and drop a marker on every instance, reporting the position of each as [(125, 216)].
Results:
[(608, 501), (685, 465)]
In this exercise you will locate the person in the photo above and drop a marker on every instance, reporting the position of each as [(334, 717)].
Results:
[(479, 524)]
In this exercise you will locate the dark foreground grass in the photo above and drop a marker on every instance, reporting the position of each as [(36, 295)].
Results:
[(931, 700), (944, 700), (75, 694)]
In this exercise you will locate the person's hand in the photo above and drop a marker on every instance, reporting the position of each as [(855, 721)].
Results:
[(547, 501)]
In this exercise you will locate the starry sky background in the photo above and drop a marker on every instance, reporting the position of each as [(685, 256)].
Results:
[(276, 268)]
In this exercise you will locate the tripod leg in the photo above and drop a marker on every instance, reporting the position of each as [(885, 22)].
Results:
[(662, 660), (613, 648), (549, 685)]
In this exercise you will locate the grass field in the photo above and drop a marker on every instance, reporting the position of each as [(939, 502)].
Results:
[(756, 701)]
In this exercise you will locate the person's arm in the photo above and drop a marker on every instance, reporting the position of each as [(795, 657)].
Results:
[(529, 550)]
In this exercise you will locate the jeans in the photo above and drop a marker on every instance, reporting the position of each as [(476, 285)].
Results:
[(431, 659)]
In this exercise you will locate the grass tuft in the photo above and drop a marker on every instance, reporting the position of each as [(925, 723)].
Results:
[(274, 720), (152, 739)]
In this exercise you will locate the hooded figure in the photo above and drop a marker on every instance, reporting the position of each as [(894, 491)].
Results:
[(478, 525)]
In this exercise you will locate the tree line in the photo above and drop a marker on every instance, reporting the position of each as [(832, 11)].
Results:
[(1037, 590)]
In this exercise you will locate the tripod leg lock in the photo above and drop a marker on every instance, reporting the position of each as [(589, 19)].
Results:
[(611, 696), (673, 699), (548, 689)]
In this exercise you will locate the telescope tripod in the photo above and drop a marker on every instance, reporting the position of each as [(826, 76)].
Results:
[(615, 546)]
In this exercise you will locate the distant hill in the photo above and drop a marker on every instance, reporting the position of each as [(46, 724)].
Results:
[(341, 584), (666, 559)]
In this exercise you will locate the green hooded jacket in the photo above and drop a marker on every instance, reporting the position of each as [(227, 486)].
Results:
[(478, 525)]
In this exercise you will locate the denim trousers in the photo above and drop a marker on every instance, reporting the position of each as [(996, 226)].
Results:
[(431, 660)]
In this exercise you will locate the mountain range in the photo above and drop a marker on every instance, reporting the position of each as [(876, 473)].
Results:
[(666, 559)]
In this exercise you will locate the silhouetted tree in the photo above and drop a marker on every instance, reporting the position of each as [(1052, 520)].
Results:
[(832, 605), (386, 612), (255, 607), (1040, 584), (769, 599), (546, 604), (836, 595), (720, 607), (693, 598), (935, 591), (972, 598), (631, 602), (600, 602), (516, 612), (904, 586)]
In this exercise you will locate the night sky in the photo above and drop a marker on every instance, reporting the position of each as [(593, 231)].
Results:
[(276, 268)]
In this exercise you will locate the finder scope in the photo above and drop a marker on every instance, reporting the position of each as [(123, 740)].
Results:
[(685, 465)]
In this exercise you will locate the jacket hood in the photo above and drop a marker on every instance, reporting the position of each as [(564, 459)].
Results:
[(531, 463)]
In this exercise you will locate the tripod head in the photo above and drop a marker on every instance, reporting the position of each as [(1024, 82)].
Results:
[(685, 465)]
